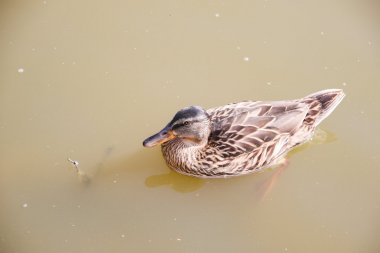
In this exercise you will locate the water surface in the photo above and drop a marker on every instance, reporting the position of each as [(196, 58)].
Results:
[(90, 81)]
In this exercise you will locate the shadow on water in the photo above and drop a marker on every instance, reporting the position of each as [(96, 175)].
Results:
[(145, 161), (176, 181), (137, 165)]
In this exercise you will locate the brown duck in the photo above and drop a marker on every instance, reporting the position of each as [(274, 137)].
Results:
[(240, 138)]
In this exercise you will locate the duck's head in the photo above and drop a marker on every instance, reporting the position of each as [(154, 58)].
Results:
[(190, 125)]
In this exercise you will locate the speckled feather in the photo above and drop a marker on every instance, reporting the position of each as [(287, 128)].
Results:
[(248, 136)]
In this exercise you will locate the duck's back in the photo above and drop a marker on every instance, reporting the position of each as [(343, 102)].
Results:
[(247, 136)]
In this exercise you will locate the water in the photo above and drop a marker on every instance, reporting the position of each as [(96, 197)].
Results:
[(90, 80)]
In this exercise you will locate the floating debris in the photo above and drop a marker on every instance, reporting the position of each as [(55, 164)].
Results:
[(25, 205), (75, 163), (20, 70), (83, 177)]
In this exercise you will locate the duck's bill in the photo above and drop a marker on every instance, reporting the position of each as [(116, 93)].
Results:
[(163, 136)]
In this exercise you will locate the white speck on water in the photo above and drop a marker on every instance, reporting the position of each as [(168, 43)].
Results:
[(114, 181), (369, 43), (54, 48), (325, 68), (122, 236), (75, 163), (149, 240), (344, 84), (73, 225), (361, 112), (44, 2), (179, 239), (74, 62), (246, 58), (63, 63), (322, 33), (20, 70), (135, 48), (175, 219), (286, 249), (78, 206), (358, 60), (238, 48), (33, 49), (25, 205), (53, 206), (217, 15), (269, 83)]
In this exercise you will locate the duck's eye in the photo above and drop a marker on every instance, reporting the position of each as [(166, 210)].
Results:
[(186, 123)]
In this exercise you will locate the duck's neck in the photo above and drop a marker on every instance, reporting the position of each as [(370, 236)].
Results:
[(181, 155)]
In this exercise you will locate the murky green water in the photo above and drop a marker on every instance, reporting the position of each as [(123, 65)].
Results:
[(89, 80)]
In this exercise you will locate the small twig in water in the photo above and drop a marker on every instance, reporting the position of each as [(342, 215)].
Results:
[(75, 163), (83, 177)]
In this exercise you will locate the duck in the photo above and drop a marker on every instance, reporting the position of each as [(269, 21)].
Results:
[(240, 138)]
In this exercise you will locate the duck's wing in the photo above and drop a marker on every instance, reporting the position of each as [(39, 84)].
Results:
[(242, 129)]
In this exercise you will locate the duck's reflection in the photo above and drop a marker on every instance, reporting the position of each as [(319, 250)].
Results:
[(142, 162), (178, 182)]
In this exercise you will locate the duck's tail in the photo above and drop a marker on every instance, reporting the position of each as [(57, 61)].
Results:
[(329, 100)]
